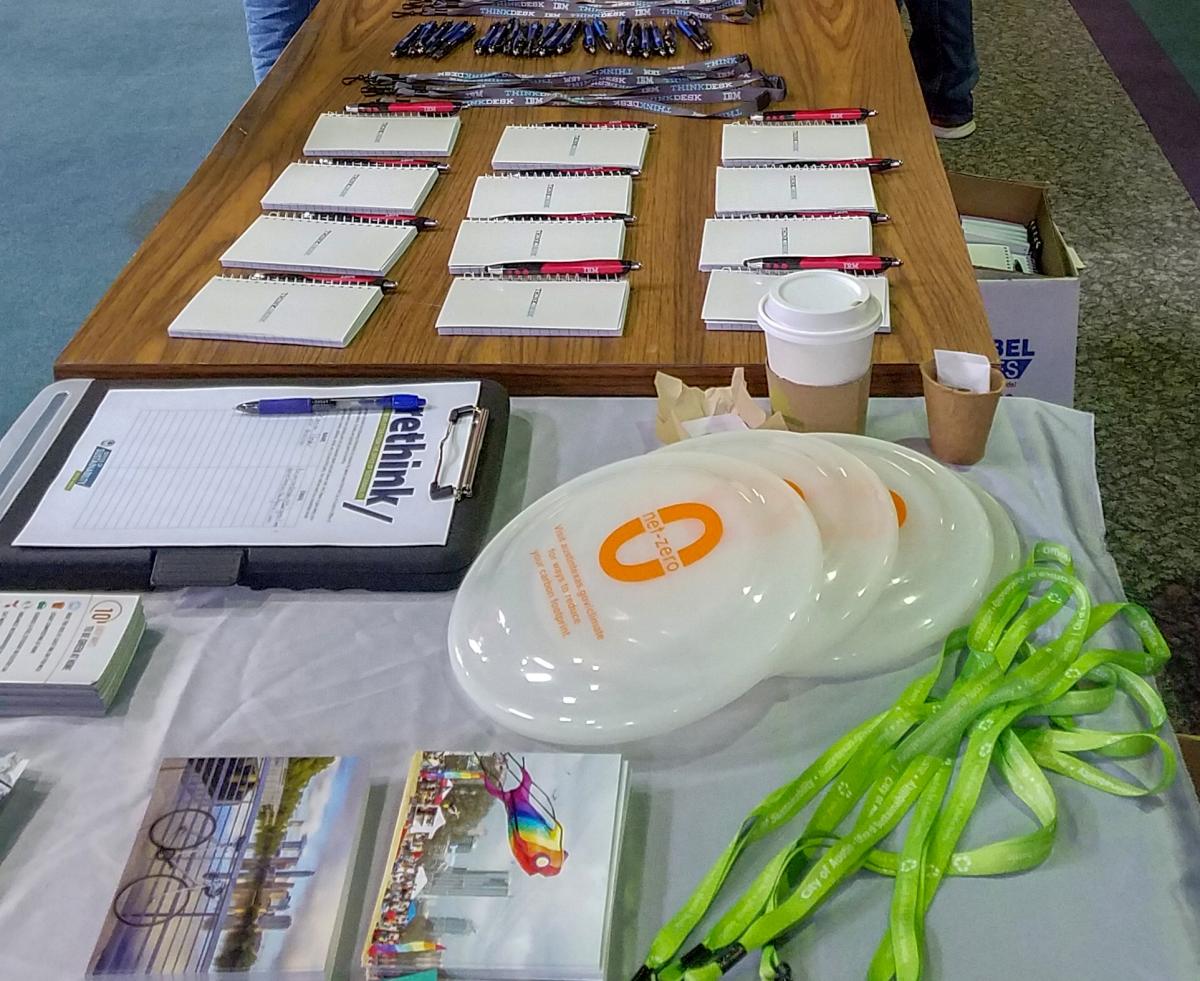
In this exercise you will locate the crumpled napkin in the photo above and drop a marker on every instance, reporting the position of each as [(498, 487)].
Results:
[(11, 768), (685, 411)]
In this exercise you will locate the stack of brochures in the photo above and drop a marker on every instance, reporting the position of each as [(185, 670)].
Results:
[(65, 653), (1006, 246), (501, 867), (241, 868)]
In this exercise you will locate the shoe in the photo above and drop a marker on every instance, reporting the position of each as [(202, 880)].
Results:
[(946, 130)]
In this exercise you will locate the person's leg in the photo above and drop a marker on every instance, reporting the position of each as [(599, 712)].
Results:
[(943, 52), (270, 24)]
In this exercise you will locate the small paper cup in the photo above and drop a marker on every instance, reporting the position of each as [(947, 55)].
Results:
[(959, 421)]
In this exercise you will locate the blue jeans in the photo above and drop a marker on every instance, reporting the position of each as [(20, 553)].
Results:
[(943, 52), (270, 24)]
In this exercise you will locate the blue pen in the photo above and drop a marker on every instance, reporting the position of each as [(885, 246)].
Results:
[(309, 406)]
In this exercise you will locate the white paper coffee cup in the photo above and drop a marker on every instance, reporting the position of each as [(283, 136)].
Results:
[(820, 327)]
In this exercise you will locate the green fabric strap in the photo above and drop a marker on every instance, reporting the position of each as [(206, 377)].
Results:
[(1020, 679)]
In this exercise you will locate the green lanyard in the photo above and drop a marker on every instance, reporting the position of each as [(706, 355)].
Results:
[(1011, 703)]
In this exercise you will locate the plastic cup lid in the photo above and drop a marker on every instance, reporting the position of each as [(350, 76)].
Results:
[(819, 306), (636, 598), (855, 515)]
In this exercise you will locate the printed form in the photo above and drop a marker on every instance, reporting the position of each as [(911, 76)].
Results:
[(184, 467)]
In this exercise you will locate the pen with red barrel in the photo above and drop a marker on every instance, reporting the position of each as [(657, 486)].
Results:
[(850, 115), (598, 124), (412, 221), (337, 279), (841, 263), (874, 217), (431, 107), (387, 162), (571, 216), (578, 267), (874, 164)]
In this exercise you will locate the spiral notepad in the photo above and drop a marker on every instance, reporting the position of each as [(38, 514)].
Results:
[(521, 194), (544, 147), (352, 188), (744, 144), (537, 308), (290, 243), (339, 134), (276, 311), (481, 243), (731, 242), (731, 300), (752, 190)]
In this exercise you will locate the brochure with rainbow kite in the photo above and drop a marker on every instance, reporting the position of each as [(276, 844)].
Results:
[(502, 866)]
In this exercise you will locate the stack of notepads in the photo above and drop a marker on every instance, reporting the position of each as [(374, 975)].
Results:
[(1004, 246), (529, 214), (328, 223), (65, 653), (778, 193)]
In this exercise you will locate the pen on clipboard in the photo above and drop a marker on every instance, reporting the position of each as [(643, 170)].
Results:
[(309, 406)]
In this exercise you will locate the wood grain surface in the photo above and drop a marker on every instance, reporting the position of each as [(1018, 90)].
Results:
[(831, 53)]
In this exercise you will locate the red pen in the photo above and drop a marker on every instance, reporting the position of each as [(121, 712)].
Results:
[(853, 115), (413, 221), (387, 162), (576, 216), (386, 285), (842, 263), (600, 124), (434, 107), (581, 267), (874, 217)]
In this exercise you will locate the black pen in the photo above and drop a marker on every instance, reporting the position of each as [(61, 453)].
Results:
[(386, 218)]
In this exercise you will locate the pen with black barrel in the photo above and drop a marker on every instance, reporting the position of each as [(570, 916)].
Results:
[(338, 279), (387, 162), (412, 221), (579, 267), (874, 164), (841, 263)]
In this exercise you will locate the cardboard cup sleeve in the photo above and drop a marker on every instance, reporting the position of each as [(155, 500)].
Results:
[(959, 421), (821, 408)]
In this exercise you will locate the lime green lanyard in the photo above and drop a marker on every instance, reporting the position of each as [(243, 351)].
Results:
[(1011, 703)]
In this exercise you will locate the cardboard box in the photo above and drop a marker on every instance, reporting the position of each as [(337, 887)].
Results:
[(1034, 318)]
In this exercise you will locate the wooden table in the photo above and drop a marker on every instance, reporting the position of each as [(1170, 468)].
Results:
[(831, 52)]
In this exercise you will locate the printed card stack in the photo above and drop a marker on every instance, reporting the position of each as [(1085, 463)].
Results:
[(65, 653), (542, 250)]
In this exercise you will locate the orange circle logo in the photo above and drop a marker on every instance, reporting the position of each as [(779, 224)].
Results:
[(667, 558)]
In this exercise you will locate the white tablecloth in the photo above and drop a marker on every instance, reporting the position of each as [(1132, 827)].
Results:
[(231, 671)]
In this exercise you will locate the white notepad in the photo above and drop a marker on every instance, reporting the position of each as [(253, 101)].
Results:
[(751, 190), (483, 243), (731, 301), (523, 194), (730, 242), (360, 188), (229, 308), (339, 134), (567, 308), (537, 147), (743, 144), (289, 243)]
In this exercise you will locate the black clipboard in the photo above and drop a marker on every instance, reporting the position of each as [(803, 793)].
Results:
[(39, 446)]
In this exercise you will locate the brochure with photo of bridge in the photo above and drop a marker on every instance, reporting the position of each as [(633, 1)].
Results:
[(502, 867), (241, 867)]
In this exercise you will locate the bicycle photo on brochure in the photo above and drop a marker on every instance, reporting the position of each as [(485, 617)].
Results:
[(157, 897)]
